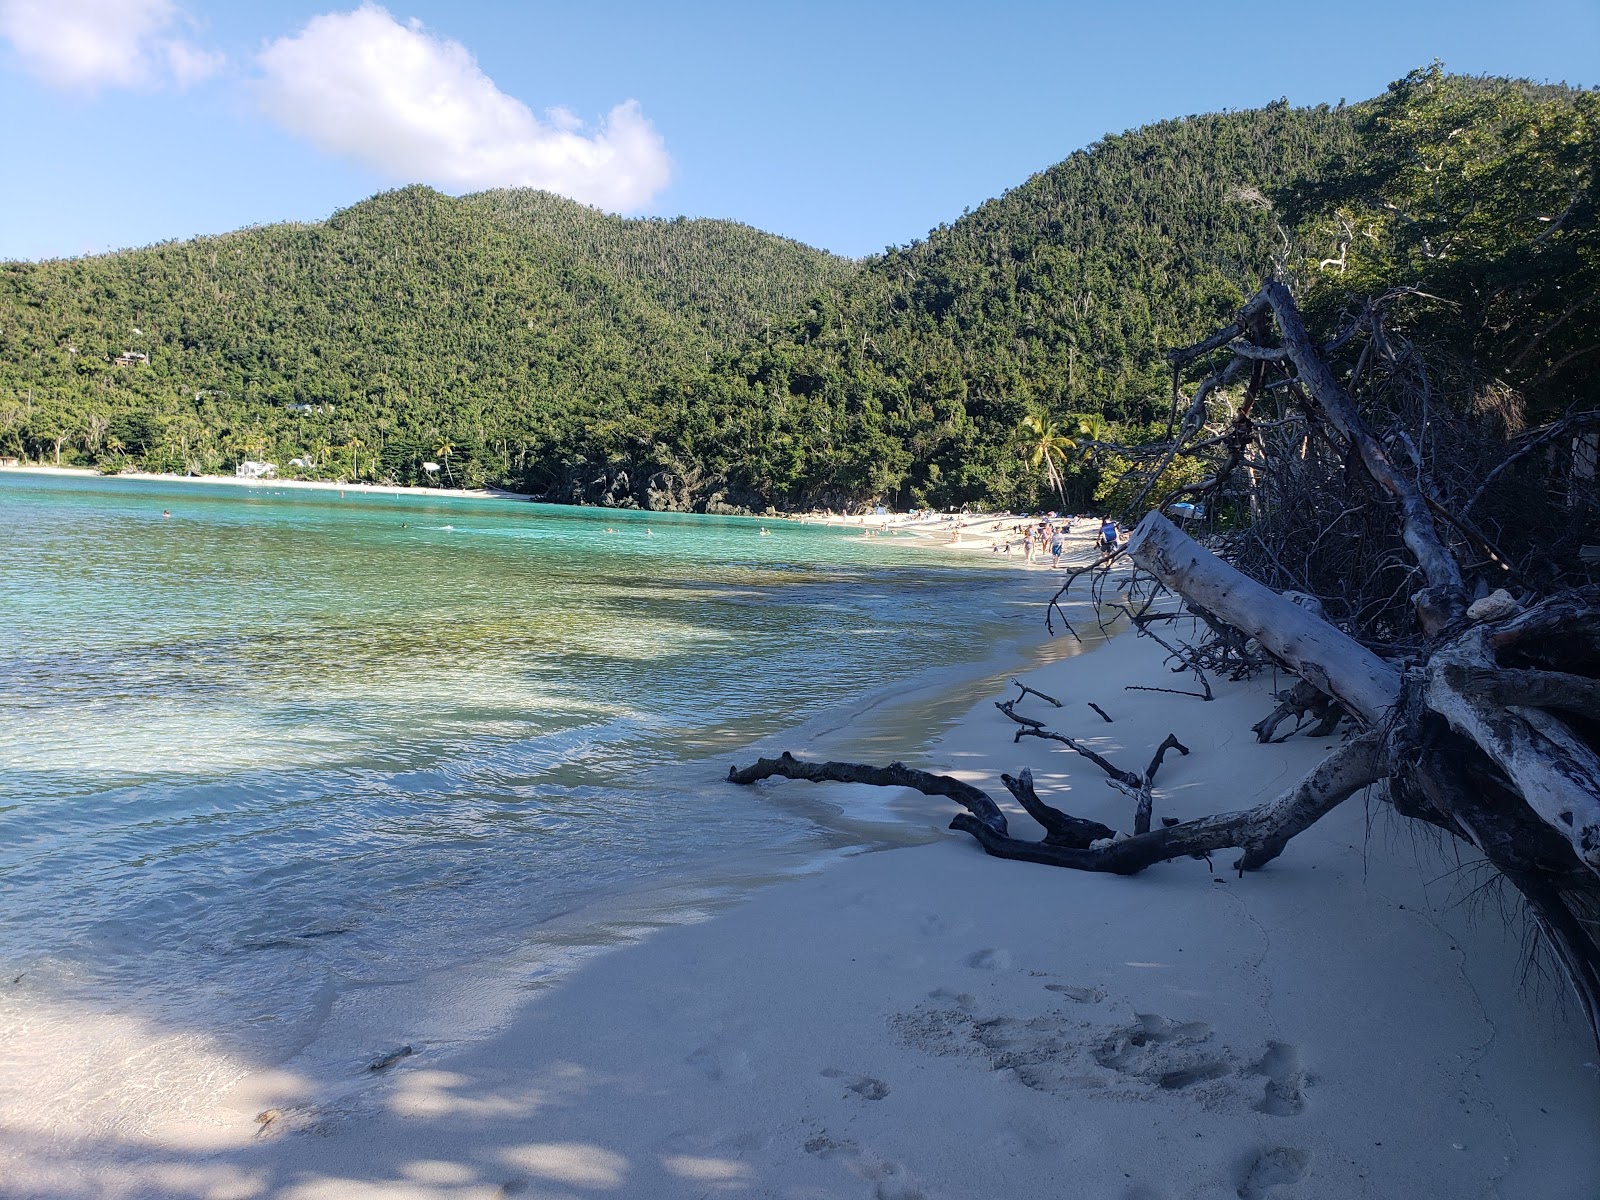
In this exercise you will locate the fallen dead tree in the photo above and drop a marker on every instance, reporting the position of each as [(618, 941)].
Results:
[(1484, 722)]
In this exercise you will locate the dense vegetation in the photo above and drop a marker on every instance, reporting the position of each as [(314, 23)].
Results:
[(514, 337), (479, 331), (1481, 198), (1055, 300)]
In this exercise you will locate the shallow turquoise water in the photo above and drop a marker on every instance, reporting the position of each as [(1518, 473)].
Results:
[(285, 744)]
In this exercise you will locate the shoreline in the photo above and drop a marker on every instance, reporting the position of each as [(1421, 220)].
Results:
[(924, 1021), (887, 714), (921, 533), (318, 485)]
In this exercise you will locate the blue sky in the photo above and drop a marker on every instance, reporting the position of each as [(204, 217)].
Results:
[(850, 126)]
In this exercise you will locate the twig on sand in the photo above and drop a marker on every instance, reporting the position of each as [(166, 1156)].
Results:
[(1028, 691)]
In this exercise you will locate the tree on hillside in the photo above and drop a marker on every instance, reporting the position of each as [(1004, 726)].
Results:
[(1481, 197), (1045, 446)]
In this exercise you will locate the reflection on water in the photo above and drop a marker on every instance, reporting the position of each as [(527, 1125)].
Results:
[(282, 746)]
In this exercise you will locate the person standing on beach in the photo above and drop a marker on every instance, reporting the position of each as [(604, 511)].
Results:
[(1055, 550), (1108, 535)]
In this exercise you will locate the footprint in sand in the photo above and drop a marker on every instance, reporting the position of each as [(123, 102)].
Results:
[(890, 1180), (717, 1064), (1148, 1058), (1079, 995), (1285, 1092), (989, 960), (893, 1181), (870, 1089), (1158, 1050), (864, 1086), (825, 1145), (1265, 1170), (1142, 1047)]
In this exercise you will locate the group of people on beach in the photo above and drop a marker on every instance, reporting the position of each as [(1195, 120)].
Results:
[(1049, 534)]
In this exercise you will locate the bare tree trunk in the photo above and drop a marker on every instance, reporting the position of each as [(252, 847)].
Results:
[(1331, 661), (1444, 599), (1557, 776)]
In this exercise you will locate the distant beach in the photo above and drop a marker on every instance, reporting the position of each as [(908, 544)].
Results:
[(324, 485), (963, 532)]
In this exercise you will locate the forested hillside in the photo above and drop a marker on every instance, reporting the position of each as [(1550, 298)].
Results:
[(518, 338), (1055, 300), (412, 326)]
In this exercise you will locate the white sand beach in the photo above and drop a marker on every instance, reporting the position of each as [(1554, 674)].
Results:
[(999, 536), (927, 1022), (307, 485)]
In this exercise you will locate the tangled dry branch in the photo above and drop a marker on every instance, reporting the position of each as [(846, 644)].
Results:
[(1364, 517)]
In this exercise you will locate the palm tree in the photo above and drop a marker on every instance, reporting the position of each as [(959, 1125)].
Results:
[(443, 451), (1043, 444), (353, 445), (1092, 426)]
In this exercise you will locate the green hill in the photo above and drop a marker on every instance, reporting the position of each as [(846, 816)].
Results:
[(909, 380), (494, 323)]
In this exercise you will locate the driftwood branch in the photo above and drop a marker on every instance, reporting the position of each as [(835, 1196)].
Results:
[(1060, 829), (1298, 702), (976, 801), (1261, 832), (1144, 801), (1551, 768), (1025, 690), (1184, 658), (1032, 728), (1557, 690)]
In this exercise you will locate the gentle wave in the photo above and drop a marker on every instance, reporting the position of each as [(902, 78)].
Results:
[(278, 749)]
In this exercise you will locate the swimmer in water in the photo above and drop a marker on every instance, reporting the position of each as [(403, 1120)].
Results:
[(165, 513)]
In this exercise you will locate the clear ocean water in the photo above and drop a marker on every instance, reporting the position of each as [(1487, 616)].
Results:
[(289, 773)]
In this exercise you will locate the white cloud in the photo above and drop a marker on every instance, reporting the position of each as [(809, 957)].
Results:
[(418, 109), (84, 45)]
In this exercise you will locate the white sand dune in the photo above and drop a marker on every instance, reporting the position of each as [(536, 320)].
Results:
[(927, 1022)]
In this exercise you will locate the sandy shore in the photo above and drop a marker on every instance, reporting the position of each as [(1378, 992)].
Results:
[(310, 485), (926, 1022), (966, 534), (987, 533)]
